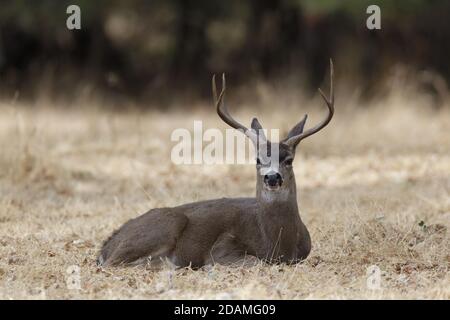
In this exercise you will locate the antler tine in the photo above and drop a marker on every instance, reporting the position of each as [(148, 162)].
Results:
[(214, 88), (330, 104), (221, 108)]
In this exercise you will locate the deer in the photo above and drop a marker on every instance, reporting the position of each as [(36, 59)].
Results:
[(227, 231)]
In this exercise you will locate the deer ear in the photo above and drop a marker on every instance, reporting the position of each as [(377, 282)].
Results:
[(257, 127), (297, 129)]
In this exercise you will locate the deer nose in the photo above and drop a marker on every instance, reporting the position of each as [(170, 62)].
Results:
[(273, 179)]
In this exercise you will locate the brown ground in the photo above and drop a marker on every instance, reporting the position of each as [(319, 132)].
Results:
[(374, 189)]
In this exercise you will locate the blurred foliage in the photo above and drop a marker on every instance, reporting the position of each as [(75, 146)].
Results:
[(145, 49)]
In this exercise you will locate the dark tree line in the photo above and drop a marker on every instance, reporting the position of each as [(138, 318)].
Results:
[(145, 49)]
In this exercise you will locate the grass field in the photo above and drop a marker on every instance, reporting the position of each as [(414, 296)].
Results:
[(373, 189)]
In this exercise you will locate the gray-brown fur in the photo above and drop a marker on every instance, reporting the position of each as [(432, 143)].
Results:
[(226, 231), (214, 231)]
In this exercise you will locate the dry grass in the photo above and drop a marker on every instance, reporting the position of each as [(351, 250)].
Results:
[(374, 189)]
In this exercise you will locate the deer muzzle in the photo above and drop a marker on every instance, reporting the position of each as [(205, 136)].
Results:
[(273, 180)]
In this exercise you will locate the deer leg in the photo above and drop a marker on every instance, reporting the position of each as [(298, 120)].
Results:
[(227, 250), (152, 235)]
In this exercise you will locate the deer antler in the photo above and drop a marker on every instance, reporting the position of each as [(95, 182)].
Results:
[(223, 113), (293, 141)]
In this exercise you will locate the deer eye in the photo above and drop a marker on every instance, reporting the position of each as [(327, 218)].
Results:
[(288, 162)]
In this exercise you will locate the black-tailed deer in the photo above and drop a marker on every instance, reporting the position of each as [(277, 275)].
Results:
[(226, 230)]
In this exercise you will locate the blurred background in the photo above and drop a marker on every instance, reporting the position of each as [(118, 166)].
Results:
[(142, 51)]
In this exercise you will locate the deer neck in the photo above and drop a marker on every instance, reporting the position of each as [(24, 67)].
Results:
[(278, 209), (279, 220)]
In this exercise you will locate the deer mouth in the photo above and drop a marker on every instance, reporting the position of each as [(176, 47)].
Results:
[(272, 188), (273, 185)]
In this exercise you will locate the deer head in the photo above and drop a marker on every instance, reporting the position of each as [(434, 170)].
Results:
[(275, 178)]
